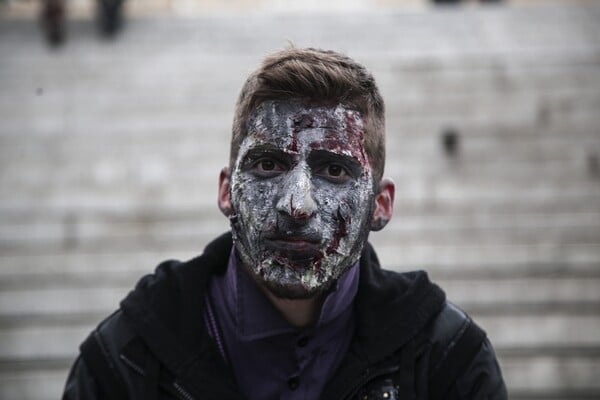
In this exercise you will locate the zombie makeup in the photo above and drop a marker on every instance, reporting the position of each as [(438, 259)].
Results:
[(302, 194)]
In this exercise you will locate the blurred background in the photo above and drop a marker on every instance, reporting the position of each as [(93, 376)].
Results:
[(111, 140)]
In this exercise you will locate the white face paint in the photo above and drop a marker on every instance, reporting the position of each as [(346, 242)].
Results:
[(302, 195)]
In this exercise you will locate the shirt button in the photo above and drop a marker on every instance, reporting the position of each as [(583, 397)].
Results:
[(293, 383), (303, 341)]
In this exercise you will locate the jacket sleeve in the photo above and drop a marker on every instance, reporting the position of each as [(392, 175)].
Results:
[(483, 377), (80, 383)]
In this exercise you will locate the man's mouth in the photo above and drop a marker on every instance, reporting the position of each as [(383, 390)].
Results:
[(295, 248)]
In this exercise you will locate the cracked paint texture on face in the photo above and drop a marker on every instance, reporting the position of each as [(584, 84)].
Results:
[(302, 196)]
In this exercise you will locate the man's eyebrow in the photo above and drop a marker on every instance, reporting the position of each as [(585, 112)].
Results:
[(326, 127), (324, 156), (333, 155), (264, 148)]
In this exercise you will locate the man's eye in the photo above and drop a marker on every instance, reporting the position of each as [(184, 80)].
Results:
[(267, 167), (334, 172)]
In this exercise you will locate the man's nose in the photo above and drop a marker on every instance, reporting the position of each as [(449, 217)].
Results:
[(296, 199)]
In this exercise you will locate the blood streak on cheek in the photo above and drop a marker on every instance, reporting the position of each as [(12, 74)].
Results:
[(340, 233)]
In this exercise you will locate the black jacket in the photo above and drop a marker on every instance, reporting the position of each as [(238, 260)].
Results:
[(409, 342)]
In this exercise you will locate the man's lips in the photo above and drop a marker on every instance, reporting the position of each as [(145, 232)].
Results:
[(294, 248)]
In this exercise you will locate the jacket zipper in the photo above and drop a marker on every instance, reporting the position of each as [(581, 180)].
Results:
[(184, 394), (132, 365), (365, 379), (182, 391)]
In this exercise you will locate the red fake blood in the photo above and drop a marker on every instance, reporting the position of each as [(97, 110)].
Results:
[(358, 137), (350, 140), (303, 121), (338, 235), (317, 261), (294, 144), (292, 208)]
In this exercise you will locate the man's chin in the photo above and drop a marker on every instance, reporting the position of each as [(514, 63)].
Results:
[(291, 291)]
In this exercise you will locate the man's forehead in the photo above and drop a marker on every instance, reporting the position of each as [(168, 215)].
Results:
[(294, 126), (294, 115)]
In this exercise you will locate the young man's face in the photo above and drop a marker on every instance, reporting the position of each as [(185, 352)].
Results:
[(302, 196)]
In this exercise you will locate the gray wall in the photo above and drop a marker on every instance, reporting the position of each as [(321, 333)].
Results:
[(110, 151)]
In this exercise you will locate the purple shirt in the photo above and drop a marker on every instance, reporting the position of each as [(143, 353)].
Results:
[(270, 358)]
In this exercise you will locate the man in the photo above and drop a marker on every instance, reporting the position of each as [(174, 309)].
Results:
[(53, 15), (292, 304)]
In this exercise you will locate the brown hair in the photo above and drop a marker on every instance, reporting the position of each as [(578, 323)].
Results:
[(317, 76)]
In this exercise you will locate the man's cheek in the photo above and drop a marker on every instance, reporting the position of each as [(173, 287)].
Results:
[(255, 202), (336, 214), (352, 208)]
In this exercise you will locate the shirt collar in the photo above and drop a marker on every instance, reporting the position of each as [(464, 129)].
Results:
[(254, 315)]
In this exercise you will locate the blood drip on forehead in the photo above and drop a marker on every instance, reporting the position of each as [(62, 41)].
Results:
[(345, 136), (303, 121), (356, 133)]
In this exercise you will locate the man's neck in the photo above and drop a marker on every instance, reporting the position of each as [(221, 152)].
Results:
[(300, 313)]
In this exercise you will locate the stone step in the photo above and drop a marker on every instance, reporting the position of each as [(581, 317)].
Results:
[(406, 88), (181, 89), (186, 138), (175, 105), (478, 257), (65, 116), (186, 130), (49, 383), (24, 304), (484, 75), (547, 377), (433, 29)]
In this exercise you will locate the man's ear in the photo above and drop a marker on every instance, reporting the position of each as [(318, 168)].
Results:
[(224, 199), (384, 204)]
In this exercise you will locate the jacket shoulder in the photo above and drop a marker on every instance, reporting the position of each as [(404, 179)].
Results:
[(447, 326), (462, 362), (96, 374)]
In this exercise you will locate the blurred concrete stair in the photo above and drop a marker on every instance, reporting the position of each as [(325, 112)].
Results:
[(110, 151)]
